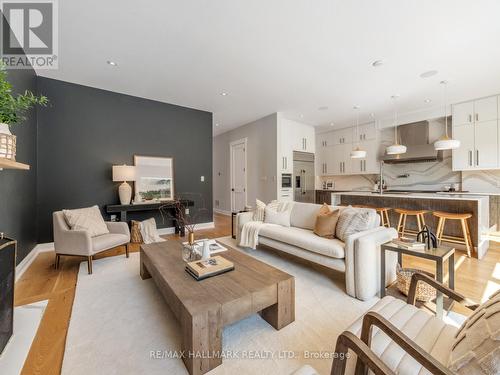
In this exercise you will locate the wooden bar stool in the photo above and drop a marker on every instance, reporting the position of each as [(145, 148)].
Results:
[(384, 216), (465, 240), (403, 214)]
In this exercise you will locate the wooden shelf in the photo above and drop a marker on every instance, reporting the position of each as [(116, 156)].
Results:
[(10, 164)]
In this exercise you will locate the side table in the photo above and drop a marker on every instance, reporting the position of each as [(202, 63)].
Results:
[(439, 255)]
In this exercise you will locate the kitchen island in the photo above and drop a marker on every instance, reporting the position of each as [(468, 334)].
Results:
[(477, 205)]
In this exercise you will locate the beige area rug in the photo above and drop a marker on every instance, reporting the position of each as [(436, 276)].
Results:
[(119, 319)]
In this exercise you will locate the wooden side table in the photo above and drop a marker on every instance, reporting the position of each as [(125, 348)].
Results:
[(233, 215), (438, 255)]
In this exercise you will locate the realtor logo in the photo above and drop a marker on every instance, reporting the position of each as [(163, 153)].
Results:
[(29, 34)]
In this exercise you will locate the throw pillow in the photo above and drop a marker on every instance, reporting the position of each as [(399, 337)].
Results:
[(278, 213), (260, 207), (326, 222), (353, 220), (88, 219), (477, 346)]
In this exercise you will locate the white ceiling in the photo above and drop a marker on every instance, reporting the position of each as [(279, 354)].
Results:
[(290, 56)]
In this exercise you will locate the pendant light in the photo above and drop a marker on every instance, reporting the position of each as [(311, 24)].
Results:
[(445, 142), (358, 152), (395, 148)]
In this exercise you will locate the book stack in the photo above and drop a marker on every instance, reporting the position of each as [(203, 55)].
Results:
[(408, 243), (202, 269)]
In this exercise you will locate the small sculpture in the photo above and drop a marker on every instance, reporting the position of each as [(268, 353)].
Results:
[(427, 237)]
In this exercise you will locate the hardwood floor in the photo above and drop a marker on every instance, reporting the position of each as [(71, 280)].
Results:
[(475, 279)]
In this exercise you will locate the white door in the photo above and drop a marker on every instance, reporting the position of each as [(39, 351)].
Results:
[(486, 139), (238, 175), (463, 157)]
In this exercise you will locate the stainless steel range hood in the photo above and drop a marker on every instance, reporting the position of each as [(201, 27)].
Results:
[(415, 137)]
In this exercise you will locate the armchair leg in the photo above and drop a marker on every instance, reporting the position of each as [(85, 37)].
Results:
[(127, 249), (56, 262), (89, 264)]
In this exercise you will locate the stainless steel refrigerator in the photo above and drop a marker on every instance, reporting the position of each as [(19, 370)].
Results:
[(303, 175)]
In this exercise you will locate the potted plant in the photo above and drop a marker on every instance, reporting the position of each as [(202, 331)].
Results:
[(12, 111)]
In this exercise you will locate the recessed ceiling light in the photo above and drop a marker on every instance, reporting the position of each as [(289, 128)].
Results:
[(372, 115), (355, 107), (323, 108), (112, 63), (427, 100), (331, 124), (301, 116), (223, 93), (428, 74), (216, 124), (377, 63), (395, 96)]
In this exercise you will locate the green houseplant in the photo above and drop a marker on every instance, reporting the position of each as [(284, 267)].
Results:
[(13, 109)]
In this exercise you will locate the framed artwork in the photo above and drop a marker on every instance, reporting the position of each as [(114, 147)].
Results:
[(154, 178)]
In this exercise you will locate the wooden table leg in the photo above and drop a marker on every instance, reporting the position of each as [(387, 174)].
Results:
[(439, 295), (282, 313), (451, 271), (143, 269), (201, 340), (382, 273)]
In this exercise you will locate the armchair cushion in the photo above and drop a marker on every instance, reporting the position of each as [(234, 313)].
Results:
[(430, 333), (108, 241), (86, 219)]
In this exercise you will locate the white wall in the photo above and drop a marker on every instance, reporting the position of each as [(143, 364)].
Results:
[(261, 162)]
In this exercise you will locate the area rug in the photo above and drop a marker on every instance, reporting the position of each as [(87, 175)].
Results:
[(120, 324)]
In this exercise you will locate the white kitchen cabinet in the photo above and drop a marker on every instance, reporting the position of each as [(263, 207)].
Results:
[(341, 161), (370, 164), (342, 136), (463, 113), (486, 144), (486, 109), (293, 136), (367, 132), (463, 157), (475, 125)]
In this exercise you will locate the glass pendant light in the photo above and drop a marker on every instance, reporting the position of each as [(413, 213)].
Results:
[(395, 148), (445, 142), (358, 152)]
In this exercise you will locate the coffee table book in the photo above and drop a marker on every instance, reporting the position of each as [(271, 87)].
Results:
[(201, 269)]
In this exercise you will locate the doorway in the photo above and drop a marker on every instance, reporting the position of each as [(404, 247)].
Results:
[(238, 171)]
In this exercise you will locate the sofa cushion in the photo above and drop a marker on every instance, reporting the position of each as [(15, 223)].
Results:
[(87, 219), (260, 207), (278, 213), (352, 220), (304, 215), (326, 221), (304, 239), (430, 333)]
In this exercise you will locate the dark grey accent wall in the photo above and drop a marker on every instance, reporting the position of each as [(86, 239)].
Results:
[(18, 188), (86, 130)]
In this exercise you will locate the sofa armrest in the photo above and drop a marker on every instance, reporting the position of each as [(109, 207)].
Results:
[(118, 227), (241, 219), (73, 242), (362, 258)]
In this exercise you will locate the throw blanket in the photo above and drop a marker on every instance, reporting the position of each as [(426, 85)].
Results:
[(250, 234), (149, 232)]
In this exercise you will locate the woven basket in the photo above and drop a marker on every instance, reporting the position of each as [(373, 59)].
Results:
[(8, 146), (425, 292)]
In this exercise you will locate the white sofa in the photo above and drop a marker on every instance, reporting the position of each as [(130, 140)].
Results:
[(358, 257)]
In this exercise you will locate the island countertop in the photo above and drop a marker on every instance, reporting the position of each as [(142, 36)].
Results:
[(440, 195)]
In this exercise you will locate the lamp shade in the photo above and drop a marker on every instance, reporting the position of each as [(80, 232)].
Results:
[(446, 144), (123, 173), (358, 154), (395, 149)]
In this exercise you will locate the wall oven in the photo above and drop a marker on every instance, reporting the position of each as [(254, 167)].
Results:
[(286, 180)]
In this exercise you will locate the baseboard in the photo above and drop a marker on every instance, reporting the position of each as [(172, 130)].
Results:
[(28, 259), (222, 212), (200, 226)]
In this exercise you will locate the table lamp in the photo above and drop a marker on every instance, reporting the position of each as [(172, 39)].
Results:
[(124, 173)]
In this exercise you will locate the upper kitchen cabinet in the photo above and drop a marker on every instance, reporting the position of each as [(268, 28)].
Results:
[(367, 132), (342, 136), (293, 136), (370, 164), (475, 125)]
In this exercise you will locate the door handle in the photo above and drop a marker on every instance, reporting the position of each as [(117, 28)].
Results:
[(477, 116), (470, 118), (470, 158), (305, 143), (477, 157)]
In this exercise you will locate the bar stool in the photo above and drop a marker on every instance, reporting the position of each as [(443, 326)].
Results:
[(403, 214), (465, 240), (384, 216)]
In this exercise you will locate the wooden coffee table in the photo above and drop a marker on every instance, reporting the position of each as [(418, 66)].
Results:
[(203, 308)]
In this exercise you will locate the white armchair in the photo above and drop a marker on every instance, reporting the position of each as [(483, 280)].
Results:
[(79, 243)]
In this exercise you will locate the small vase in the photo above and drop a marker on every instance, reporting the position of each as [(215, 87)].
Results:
[(191, 238)]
